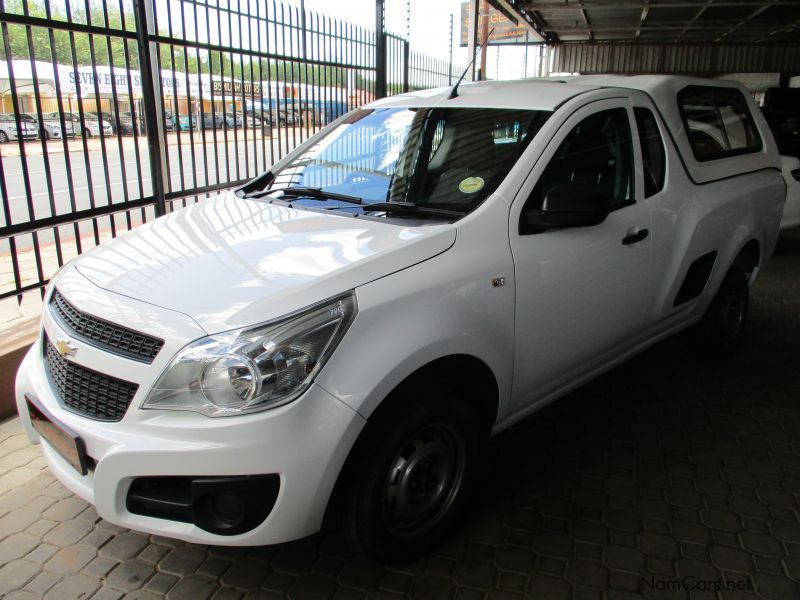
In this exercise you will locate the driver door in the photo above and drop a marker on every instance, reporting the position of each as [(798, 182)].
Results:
[(580, 292)]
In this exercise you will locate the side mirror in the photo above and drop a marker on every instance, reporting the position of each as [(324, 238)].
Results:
[(571, 205)]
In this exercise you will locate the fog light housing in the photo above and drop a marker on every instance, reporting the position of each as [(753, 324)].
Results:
[(220, 505), (227, 508)]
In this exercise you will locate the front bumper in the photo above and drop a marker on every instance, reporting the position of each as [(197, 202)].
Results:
[(305, 443)]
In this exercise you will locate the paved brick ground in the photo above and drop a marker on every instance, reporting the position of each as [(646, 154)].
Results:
[(665, 474)]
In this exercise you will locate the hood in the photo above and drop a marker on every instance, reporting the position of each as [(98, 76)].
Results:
[(229, 262)]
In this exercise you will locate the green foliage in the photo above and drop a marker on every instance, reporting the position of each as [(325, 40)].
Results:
[(36, 42), (82, 49)]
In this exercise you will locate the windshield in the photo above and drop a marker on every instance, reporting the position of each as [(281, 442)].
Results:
[(444, 158)]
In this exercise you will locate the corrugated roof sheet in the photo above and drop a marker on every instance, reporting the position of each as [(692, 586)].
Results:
[(660, 21), (707, 59)]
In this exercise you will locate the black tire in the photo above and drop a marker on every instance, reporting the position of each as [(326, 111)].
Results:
[(719, 333), (87, 133), (411, 475), (3, 137)]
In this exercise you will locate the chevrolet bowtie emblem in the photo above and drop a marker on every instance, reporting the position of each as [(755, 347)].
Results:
[(65, 347)]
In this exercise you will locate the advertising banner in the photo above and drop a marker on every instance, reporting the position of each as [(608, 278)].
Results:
[(504, 31)]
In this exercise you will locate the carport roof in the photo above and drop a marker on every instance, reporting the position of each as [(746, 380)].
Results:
[(660, 21)]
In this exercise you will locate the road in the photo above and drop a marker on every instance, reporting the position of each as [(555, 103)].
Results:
[(125, 174)]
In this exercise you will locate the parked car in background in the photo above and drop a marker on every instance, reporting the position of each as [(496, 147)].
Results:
[(288, 117), (212, 121), (91, 124), (233, 122), (169, 122), (254, 122), (257, 118), (186, 122), (276, 116), (220, 121), (69, 130), (341, 336), (181, 122), (10, 132), (51, 128), (139, 121), (124, 127)]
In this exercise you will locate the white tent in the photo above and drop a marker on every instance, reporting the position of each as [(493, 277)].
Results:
[(23, 73)]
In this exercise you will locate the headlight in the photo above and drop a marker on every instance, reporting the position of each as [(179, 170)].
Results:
[(256, 368)]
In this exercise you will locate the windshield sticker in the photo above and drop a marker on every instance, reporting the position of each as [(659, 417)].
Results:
[(470, 185)]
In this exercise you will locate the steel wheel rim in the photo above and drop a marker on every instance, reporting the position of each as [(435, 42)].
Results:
[(423, 481), (732, 315)]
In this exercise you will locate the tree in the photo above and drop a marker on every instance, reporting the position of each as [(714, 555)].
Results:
[(108, 49)]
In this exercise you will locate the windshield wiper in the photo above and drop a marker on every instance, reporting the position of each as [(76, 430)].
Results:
[(409, 208), (297, 191)]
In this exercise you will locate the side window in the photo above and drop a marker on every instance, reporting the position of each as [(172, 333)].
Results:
[(597, 152), (718, 122), (653, 153)]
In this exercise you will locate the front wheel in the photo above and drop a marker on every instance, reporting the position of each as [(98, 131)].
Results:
[(719, 333), (3, 137), (412, 475)]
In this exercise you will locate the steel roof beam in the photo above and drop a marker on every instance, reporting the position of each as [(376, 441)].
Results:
[(529, 17), (652, 28), (752, 15), (634, 4), (584, 20), (699, 14), (516, 7), (588, 24), (642, 18)]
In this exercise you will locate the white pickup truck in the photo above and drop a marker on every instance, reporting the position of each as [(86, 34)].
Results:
[(342, 335)]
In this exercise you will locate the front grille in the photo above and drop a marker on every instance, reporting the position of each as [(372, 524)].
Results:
[(85, 391), (101, 333)]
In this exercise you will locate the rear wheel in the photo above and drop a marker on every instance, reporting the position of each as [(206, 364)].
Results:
[(719, 333), (3, 137), (411, 475)]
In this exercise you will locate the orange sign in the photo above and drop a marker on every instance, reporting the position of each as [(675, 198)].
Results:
[(503, 29)]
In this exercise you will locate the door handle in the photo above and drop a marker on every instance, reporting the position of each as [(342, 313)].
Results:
[(634, 237)]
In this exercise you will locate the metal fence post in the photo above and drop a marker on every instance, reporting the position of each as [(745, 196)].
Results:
[(380, 49), (472, 35), (450, 64), (151, 99), (406, 57)]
